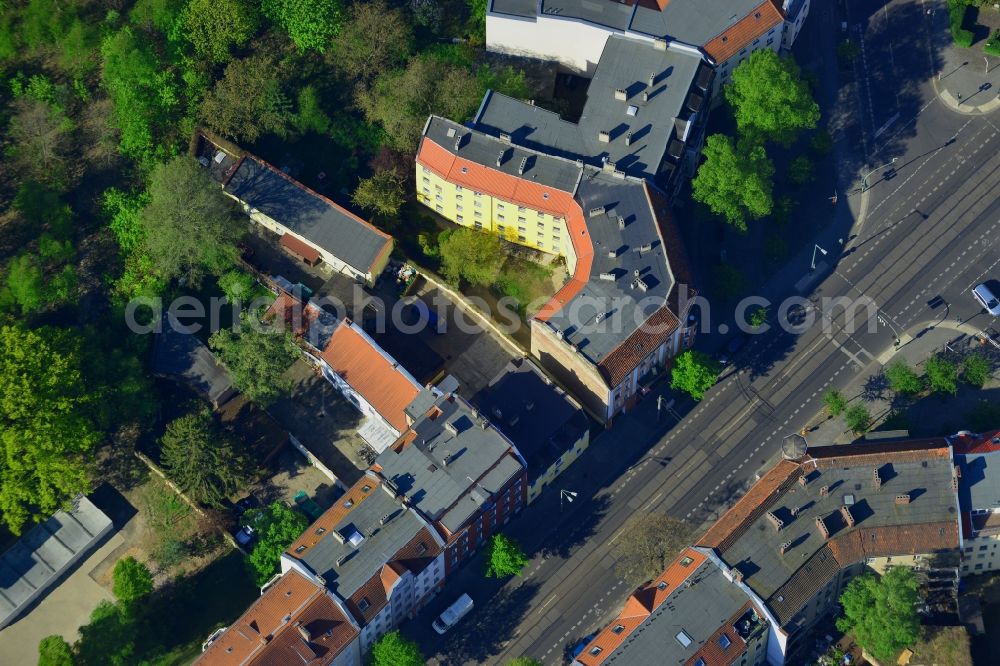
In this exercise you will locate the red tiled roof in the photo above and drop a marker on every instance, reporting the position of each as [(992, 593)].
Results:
[(972, 443), (274, 629), (739, 35), (712, 653), (292, 313), (640, 605), (643, 340), (371, 372), (300, 248), (350, 500)]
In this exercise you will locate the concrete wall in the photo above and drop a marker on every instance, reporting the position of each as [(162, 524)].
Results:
[(792, 28), (574, 44), (557, 467), (571, 369)]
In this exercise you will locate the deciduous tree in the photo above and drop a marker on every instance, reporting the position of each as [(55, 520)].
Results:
[(24, 287), (504, 557), (256, 360), (882, 612), (248, 101), (189, 225), (694, 373), (942, 374), (735, 180), (132, 581), (902, 378), (383, 193), (275, 526), (374, 39), (39, 142), (215, 26), (471, 255), (976, 369), (55, 651), (770, 100), (647, 544), (201, 458), (310, 23), (45, 429), (858, 418), (394, 650), (835, 402)]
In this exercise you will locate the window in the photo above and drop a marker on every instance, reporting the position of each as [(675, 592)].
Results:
[(459, 218), (724, 641), (439, 197), (595, 651), (439, 208), (458, 206), (662, 585), (479, 225), (770, 40), (458, 197), (364, 604), (437, 188), (500, 216), (427, 191), (521, 218), (478, 204), (520, 209), (978, 567), (458, 188), (500, 227), (500, 206), (619, 628), (478, 194), (427, 180), (478, 214)]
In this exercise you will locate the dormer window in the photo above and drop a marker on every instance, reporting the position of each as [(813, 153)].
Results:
[(364, 604)]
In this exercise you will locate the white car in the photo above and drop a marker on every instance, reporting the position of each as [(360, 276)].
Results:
[(987, 298)]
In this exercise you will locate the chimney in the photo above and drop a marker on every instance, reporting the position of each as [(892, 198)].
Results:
[(803, 481), (903, 499), (645, 247), (954, 482), (608, 165), (520, 167), (306, 634), (652, 79), (845, 511), (604, 137), (660, 44), (597, 210), (612, 254), (458, 142), (737, 575), (628, 138), (785, 547), (822, 527), (824, 491), (609, 277), (795, 512), (878, 480), (645, 95), (500, 157), (505, 137), (621, 222), (620, 94), (778, 523)]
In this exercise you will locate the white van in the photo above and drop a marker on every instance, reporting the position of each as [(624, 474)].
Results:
[(451, 615), (987, 298)]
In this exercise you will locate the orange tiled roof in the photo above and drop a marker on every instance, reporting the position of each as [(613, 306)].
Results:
[(269, 631), (650, 335), (354, 496), (712, 651), (640, 605), (292, 313), (739, 35), (987, 442), (300, 248), (382, 382)]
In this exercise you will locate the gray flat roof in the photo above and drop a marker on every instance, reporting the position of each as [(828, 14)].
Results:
[(602, 12), (691, 21), (485, 149), (183, 356), (979, 486), (626, 64), (306, 213), (380, 542), (756, 552), (525, 8), (698, 608), (624, 307), (48, 549), (539, 417), (452, 463)]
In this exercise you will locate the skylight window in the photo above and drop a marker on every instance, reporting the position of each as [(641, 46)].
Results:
[(724, 641), (683, 638), (631, 110)]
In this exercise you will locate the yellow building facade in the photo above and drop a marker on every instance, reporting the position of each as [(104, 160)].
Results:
[(539, 230)]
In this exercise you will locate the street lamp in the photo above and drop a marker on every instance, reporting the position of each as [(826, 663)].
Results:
[(864, 181), (885, 322), (567, 495), (812, 266)]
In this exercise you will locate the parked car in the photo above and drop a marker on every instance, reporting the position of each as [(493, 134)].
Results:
[(452, 614), (732, 348), (987, 298), (245, 504), (245, 536)]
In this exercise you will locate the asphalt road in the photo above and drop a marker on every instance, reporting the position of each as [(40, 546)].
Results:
[(931, 230)]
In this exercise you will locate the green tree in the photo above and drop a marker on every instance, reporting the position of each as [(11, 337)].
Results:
[(976, 370), (201, 458), (159, 15), (132, 581), (770, 100), (39, 142), (123, 211), (942, 375), (801, 170), (394, 650), (821, 143), (882, 612), (189, 225), (373, 40), (984, 416), (275, 526), (504, 557), (238, 286), (55, 651), (109, 638), (835, 402), (647, 544), (383, 193), (248, 101), (215, 26), (310, 116), (256, 360), (471, 255), (24, 286), (694, 373), (477, 18), (45, 429), (310, 23), (902, 378), (757, 316), (401, 100), (735, 180), (858, 418)]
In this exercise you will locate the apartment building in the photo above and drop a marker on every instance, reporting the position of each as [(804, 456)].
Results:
[(296, 620), (374, 553), (573, 33), (978, 459), (456, 469), (774, 565)]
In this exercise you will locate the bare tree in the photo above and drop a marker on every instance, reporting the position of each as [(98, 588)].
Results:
[(647, 544), (39, 142)]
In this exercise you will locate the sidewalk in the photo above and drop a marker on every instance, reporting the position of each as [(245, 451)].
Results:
[(962, 82)]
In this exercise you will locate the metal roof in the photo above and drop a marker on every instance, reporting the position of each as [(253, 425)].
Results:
[(523, 8), (41, 556), (308, 214), (451, 464), (380, 527)]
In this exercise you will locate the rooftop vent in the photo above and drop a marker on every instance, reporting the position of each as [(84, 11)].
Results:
[(903, 499), (660, 44), (785, 547), (845, 511), (824, 491), (610, 277), (645, 96), (645, 247), (505, 137), (823, 529), (652, 79), (604, 136), (612, 254), (597, 210), (628, 138), (778, 523), (451, 132), (500, 157), (621, 222), (520, 167), (620, 94)]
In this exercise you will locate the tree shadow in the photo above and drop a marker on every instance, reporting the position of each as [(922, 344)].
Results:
[(484, 632), (875, 388), (577, 530)]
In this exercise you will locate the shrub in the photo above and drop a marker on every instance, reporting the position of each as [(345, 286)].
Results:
[(992, 45), (976, 369), (956, 18)]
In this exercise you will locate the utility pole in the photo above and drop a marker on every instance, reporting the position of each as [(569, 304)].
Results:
[(812, 266), (864, 181), (567, 495)]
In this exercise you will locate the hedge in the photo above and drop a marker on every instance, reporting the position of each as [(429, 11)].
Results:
[(992, 46), (956, 17)]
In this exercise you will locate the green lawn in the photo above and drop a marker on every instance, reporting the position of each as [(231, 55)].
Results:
[(524, 281)]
